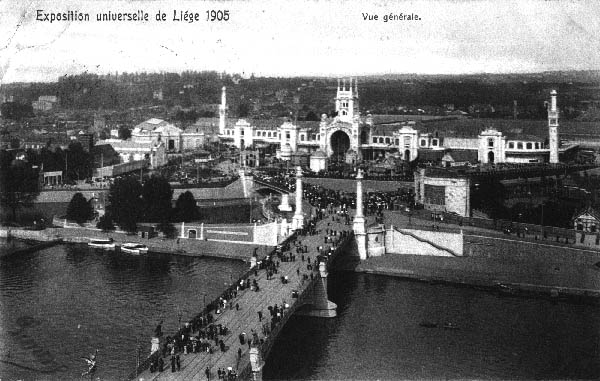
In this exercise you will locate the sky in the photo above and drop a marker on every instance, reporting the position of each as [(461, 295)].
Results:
[(301, 38)]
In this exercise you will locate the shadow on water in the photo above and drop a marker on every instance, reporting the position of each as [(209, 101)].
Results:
[(289, 357), (32, 353), (477, 334)]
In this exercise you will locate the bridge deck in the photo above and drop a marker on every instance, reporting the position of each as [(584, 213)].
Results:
[(271, 292)]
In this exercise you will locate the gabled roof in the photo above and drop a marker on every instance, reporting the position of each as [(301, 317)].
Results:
[(589, 211), (151, 124), (103, 149), (461, 155)]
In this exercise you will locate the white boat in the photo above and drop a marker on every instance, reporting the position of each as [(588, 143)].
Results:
[(102, 243), (134, 248)]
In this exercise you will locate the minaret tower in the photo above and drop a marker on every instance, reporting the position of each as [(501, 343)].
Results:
[(222, 112), (553, 128), (298, 219), (360, 233), (346, 101)]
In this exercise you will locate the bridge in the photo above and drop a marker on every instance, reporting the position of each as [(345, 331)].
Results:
[(297, 286), (276, 188)]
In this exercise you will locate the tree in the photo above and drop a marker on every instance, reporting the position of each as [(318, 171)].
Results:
[(19, 183), (79, 209), (157, 195), (312, 116), (243, 110), (78, 162), (125, 203), (185, 208), (168, 229), (16, 111), (488, 196), (105, 223)]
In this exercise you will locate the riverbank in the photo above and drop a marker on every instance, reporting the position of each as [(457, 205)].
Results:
[(186, 247), (516, 277)]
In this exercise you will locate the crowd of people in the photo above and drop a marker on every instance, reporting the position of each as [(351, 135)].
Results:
[(204, 334)]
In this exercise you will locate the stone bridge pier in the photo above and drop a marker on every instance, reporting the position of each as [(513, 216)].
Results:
[(314, 302)]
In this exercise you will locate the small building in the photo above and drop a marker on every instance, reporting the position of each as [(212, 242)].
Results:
[(318, 161), (52, 178), (45, 103), (146, 232), (587, 228), (157, 130), (152, 151), (443, 190)]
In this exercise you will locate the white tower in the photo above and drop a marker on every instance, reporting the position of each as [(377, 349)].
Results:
[(360, 233), (298, 219), (346, 101), (222, 112), (553, 128)]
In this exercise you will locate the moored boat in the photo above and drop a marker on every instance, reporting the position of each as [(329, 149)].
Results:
[(102, 243), (134, 248)]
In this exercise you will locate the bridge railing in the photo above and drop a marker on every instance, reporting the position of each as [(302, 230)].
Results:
[(272, 186)]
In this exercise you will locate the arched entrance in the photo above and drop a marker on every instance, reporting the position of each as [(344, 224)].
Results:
[(407, 155), (340, 143), (491, 157)]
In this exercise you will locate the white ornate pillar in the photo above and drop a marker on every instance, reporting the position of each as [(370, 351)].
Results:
[(298, 219), (360, 233)]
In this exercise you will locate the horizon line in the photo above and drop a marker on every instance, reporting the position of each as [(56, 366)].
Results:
[(324, 76)]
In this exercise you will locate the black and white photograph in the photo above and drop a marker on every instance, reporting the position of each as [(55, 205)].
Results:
[(299, 190)]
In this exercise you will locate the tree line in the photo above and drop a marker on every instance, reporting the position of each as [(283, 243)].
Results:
[(19, 183), (75, 162), (130, 202)]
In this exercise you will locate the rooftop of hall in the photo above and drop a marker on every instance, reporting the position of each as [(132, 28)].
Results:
[(152, 124), (467, 127), (426, 154), (393, 119)]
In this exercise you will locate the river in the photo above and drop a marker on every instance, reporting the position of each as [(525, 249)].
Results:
[(377, 335), (63, 302)]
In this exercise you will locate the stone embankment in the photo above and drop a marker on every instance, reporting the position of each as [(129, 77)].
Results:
[(188, 247)]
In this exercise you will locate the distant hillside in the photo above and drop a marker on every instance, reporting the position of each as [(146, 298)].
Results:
[(482, 95)]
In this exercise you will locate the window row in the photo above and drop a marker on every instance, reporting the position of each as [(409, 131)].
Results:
[(527, 145)]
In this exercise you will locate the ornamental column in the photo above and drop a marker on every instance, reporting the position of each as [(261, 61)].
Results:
[(298, 219), (553, 129), (360, 233)]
